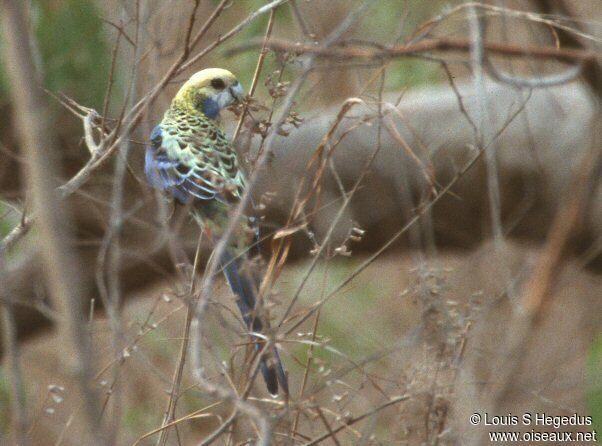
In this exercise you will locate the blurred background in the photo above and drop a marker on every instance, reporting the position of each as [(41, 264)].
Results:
[(446, 260)]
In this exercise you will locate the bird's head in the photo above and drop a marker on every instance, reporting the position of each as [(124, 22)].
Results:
[(209, 91)]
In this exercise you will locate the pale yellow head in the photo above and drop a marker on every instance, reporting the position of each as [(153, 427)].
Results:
[(209, 91)]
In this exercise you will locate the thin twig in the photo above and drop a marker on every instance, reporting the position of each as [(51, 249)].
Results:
[(260, 60), (359, 418), (344, 109), (331, 434), (177, 378), (16, 234)]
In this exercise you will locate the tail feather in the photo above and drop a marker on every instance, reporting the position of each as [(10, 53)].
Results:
[(245, 288), (280, 373)]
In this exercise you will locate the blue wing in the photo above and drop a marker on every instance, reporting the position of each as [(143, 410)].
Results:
[(170, 174)]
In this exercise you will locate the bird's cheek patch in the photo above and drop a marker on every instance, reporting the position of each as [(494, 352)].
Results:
[(210, 108)]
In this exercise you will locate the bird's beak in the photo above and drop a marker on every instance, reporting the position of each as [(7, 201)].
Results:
[(237, 92), (226, 98)]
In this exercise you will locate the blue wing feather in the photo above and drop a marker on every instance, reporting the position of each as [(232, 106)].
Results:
[(162, 172)]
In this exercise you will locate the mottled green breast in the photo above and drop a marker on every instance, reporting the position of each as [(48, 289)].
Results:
[(204, 153)]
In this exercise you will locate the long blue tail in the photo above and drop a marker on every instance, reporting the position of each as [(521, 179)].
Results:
[(245, 288)]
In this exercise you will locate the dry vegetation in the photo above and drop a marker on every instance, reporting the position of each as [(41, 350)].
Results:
[(430, 178)]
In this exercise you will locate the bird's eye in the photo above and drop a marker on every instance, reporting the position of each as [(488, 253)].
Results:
[(218, 83)]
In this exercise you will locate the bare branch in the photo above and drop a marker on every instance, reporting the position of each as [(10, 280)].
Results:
[(16, 234), (11, 349), (37, 137), (425, 47)]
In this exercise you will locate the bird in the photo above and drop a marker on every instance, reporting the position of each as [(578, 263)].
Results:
[(190, 158)]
